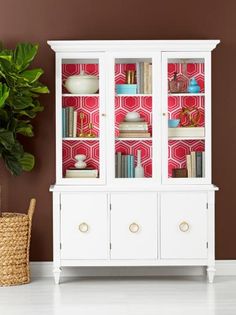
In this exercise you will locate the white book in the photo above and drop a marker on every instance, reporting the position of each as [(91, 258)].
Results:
[(134, 127), (81, 173), (193, 163), (75, 124), (189, 166), (186, 132)]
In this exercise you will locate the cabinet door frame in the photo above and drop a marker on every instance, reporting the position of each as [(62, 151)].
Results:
[(156, 118), (102, 113), (207, 82)]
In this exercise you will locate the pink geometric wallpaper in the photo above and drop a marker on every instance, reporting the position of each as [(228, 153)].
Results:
[(131, 147), (71, 148), (87, 105), (120, 71), (177, 151)]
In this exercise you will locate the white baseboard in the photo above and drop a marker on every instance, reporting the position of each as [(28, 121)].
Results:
[(44, 269)]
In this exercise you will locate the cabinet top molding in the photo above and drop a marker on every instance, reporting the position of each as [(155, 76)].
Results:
[(141, 45)]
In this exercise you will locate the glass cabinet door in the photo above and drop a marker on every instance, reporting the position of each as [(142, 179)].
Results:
[(134, 119), (80, 98), (186, 105)]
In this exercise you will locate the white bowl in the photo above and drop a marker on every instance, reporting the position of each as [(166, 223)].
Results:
[(82, 84), (132, 116)]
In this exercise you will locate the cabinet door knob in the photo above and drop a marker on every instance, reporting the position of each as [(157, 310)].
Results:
[(103, 115), (184, 226), (83, 227), (134, 227)]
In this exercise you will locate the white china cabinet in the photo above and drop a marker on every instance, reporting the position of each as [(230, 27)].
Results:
[(103, 215)]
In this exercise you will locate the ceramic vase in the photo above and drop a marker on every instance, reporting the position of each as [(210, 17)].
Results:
[(80, 163), (139, 171)]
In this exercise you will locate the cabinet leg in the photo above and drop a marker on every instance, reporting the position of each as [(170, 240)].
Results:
[(57, 273), (211, 273)]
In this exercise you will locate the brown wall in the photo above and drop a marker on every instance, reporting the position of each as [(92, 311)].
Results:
[(38, 21)]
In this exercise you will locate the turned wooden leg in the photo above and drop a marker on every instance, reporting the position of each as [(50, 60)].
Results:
[(211, 273), (57, 273)]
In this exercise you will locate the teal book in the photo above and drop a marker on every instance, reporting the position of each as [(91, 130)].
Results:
[(63, 122), (131, 166)]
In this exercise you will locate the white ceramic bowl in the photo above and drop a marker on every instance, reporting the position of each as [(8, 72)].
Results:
[(132, 116), (82, 84)]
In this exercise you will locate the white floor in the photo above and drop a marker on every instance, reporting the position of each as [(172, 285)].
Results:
[(113, 296)]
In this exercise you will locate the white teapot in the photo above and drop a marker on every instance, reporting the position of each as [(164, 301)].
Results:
[(82, 84)]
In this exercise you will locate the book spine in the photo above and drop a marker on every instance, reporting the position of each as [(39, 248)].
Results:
[(75, 124), (70, 122), (198, 164), (116, 165), (145, 78), (138, 77), (63, 122), (141, 77), (134, 135), (203, 164), (134, 128), (119, 156), (150, 78), (126, 166), (131, 166), (66, 122), (189, 167), (123, 166), (193, 163)]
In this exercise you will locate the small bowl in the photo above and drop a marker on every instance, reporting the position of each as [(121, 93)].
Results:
[(132, 116), (173, 123)]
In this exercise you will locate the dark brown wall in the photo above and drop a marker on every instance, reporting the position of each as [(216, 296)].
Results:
[(38, 21)]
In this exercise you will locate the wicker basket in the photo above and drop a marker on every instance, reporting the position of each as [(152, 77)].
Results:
[(15, 232)]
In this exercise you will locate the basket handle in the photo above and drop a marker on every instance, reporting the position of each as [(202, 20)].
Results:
[(31, 208)]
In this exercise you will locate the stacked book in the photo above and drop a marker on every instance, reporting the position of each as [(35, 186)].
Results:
[(81, 173), (69, 122), (134, 129), (144, 77), (124, 165), (196, 164)]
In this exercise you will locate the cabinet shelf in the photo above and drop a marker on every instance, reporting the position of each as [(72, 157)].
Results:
[(80, 139), (186, 94), (133, 139), (79, 95), (133, 95)]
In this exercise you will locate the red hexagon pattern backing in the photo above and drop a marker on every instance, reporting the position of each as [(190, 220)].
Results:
[(177, 150)]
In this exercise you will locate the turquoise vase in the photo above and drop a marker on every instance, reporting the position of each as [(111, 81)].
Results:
[(193, 86)]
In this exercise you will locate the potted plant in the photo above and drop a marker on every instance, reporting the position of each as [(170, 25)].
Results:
[(19, 104), (19, 91)]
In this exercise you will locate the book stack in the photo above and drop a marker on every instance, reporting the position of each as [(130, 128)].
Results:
[(69, 122), (81, 173), (144, 77), (196, 164), (134, 129), (124, 165)]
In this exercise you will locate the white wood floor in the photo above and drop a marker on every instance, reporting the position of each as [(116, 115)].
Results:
[(113, 296)]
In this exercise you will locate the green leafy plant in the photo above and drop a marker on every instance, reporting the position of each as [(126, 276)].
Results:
[(19, 92)]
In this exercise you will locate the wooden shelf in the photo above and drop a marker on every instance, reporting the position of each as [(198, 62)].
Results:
[(80, 95)]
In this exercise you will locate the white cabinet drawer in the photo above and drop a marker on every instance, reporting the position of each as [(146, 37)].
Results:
[(183, 225), (84, 226), (134, 226)]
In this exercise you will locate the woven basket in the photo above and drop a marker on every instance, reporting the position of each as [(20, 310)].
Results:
[(15, 232)]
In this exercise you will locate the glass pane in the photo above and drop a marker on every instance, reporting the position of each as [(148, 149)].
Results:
[(80, 118), (133, 118), (186, 118)]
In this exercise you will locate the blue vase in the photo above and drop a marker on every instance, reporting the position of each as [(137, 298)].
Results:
[(193, 86)]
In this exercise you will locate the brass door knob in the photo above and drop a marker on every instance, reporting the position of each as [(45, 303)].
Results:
[(184, 226), (134, 227), (83, 227)]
